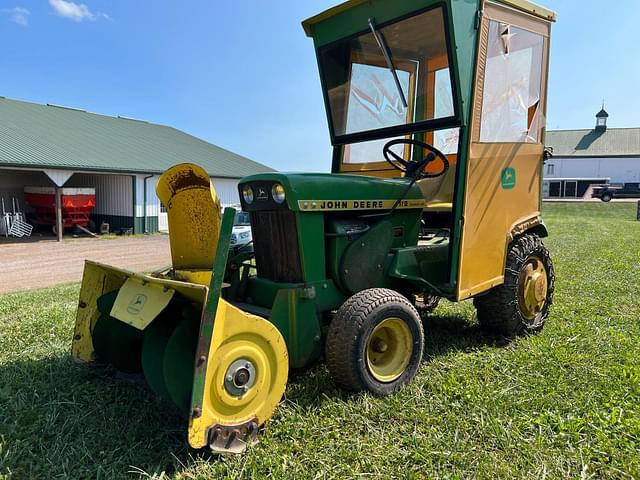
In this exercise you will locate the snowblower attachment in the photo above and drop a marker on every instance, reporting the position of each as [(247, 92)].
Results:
[(224, 368)]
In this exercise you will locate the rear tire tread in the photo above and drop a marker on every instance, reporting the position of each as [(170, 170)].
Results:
[(498, 310)]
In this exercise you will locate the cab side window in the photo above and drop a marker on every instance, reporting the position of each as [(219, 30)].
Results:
[(511, 104)]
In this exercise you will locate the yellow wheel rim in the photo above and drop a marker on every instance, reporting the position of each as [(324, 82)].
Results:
[(389, 349), (533, 286)]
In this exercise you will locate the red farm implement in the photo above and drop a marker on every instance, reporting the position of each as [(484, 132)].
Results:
[(77, 204)]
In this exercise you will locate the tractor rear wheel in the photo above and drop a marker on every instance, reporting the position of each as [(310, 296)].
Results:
[(375, 342), (521, 304)]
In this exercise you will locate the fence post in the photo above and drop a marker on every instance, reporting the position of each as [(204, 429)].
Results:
[(638, 212)]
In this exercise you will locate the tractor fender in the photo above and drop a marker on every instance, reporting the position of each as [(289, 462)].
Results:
[(533, 224)]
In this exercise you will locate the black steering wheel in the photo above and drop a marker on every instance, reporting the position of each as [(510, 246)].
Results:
[(413, 168)]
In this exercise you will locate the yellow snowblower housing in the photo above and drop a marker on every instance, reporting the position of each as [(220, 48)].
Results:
[(224, 368)]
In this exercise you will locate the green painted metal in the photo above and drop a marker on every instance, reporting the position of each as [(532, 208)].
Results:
[(152, 225), (329, 187), (295, 315), (311, 241), (44, 136), (115, 342), (209, 313), (425, 267), (363, 260), (154, 346), (178, 361), (263, 292), (116, 222)]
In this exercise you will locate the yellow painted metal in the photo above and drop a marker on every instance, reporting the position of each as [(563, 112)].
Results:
[(99, 279), (308, 23), (532, 287), (139, 302), (529, 7), (491, 212), (439, 207), (389, 349), (492, 215), (241, 335), (193, 214), (201, 277)]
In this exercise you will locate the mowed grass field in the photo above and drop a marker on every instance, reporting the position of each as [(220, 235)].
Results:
[(561, 404)]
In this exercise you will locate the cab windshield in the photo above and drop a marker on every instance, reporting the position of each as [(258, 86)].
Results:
[(365, 85)]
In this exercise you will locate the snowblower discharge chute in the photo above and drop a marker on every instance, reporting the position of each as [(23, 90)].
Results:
[(224, 368)]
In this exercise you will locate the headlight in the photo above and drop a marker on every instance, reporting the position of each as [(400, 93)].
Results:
[(247, 194), (277, 192)]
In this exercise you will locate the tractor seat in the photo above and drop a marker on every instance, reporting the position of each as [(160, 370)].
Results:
[(438, 192)]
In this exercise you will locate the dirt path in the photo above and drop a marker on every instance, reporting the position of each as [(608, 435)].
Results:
[(46, 263)]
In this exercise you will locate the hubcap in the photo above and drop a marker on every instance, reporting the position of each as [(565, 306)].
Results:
[(240, 377), (389, 349), (533, 286)]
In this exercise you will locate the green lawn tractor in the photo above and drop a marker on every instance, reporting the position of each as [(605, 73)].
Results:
[(436, 111)]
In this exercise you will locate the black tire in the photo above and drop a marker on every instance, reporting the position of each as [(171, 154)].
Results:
[(350, 333), (606, 197), (500, 310)]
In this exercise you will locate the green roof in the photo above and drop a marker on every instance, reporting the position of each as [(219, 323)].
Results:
[(49, 136), (612, 142)]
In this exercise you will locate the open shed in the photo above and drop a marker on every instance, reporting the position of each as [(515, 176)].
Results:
[(121, 158)]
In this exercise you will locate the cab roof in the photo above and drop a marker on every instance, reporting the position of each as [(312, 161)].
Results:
[(522, 5)]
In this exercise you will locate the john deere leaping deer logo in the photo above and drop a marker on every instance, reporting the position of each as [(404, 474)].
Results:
[(508, 178), (136, 305)]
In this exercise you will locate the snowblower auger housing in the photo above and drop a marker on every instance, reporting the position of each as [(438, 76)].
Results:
[(224, 368), (436, 112)]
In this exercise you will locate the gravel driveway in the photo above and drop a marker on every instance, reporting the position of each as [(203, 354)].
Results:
[(46, 262)]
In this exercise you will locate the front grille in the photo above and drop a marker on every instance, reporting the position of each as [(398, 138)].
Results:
[(275, 242)]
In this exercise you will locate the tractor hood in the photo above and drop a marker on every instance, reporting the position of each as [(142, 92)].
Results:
[(326, 192)]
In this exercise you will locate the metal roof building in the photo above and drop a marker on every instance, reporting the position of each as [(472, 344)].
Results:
[(50, 145), (591, 156)]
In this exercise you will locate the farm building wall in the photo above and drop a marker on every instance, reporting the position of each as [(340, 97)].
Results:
[(114, 198), (226, 190), (618, 169)]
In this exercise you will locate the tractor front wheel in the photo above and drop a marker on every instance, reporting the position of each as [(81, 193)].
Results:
[(375, 342), (521, 304)]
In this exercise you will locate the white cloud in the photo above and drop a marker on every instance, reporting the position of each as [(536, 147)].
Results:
[(18, 15), (78, 12)]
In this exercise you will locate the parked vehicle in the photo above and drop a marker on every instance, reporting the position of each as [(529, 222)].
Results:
[(624, 190), (241, 233)]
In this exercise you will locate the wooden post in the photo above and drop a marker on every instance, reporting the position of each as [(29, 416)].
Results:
[(59, 228), (638, 213)]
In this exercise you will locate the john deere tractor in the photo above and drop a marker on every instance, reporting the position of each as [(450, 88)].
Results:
[(436, 112)]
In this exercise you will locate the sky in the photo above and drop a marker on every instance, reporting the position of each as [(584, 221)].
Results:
[(242, 74)]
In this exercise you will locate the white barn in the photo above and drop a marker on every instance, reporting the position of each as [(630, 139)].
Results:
[(585, 157)]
